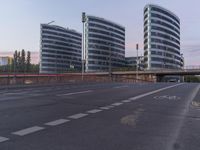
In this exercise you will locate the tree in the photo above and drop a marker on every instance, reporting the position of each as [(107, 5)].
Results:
[(14, 62), (28, 61), (23, 60), (18, 64), (191, 78)]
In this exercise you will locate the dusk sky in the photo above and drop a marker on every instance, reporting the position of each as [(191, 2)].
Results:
[(20, 22)]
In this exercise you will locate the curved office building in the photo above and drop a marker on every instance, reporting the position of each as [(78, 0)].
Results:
[(60, 49), (161, 38), (105, 44)]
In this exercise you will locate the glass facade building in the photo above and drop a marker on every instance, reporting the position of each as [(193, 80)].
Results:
[(60, 49), (161, 39), (104, 44), (132, 62)]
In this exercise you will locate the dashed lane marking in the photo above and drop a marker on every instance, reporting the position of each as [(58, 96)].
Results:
[(110, 106), (117, 104), (74, 93), (57, 122), (94, 111), (77, 116), (3, 139), (126, 101), (28, 130), (105, 108)]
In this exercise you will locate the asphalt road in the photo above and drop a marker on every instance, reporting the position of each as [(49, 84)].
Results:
[(111, 116)]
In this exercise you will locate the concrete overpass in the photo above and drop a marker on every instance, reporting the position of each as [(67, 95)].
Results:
[(163, 72), (118, 76), (157, 75)]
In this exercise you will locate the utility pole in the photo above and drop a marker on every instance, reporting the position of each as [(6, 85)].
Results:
[(137, 47), (110, 65), (83, 44)]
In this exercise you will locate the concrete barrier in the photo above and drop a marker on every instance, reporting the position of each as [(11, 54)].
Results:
[(22, 79)]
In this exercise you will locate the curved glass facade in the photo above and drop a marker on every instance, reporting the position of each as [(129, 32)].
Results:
[(161, 38), (60, 49), (105, 44)]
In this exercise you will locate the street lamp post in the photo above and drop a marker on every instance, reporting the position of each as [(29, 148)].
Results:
[(137, 47), (110, 65), (51, 22), (83, 44)]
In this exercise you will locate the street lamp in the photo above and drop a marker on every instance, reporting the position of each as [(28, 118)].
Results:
[(83, 44), (110, 65), (50, 22), (137, 48)]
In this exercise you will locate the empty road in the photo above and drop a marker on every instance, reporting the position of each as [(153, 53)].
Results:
[(111, 116)]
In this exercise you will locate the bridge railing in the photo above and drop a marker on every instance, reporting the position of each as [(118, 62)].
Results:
[(193, 67)]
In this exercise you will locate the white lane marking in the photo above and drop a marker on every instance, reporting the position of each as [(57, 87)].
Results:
[(152, 92), (82, 92), (167, 97), (117, 104), (77, 116), (28, 130), (126, 101), (105, 108), (110, 106), (94, 111), (13, 93), (118, 87), (3, 139), (57, 122)]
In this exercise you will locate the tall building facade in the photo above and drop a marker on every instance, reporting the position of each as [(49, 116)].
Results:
[(60, 49), (104, 44), (161, 38), (132, 62)]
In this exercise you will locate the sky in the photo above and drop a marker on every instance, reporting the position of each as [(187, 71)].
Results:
[(21, 19)]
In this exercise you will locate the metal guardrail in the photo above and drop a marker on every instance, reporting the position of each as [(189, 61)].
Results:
[(192, 67)]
